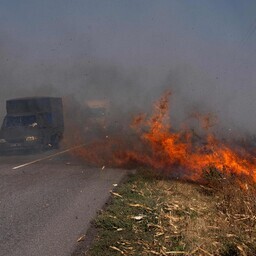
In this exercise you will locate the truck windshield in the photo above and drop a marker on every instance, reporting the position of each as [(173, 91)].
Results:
[(12, 121)]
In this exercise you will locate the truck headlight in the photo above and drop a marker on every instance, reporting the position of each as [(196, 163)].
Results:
[(31, 138), (2, 141)]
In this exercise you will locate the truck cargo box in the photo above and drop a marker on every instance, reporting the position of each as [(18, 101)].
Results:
[(32, 105)]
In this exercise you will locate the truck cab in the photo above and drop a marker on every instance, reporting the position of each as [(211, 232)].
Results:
[(32, 123)]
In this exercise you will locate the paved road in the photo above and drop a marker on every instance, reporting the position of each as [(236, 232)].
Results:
[(47, 205)]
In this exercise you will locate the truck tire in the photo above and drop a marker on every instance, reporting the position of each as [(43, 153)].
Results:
[(55, 141)]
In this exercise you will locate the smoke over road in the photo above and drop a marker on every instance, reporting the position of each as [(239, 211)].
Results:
[(197, 57)]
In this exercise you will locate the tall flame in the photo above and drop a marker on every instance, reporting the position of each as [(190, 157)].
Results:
[(162, 148)]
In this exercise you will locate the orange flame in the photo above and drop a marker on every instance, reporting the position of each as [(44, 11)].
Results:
[(161, 148)]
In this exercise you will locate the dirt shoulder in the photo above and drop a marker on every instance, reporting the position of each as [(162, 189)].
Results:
[(152, 216)]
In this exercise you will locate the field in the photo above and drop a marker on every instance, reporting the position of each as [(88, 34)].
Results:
[(150, 215)]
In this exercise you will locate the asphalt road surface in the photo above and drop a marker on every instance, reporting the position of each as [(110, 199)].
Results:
[(46, 205)]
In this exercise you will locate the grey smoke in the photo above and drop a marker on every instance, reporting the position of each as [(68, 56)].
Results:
[(225, 86)]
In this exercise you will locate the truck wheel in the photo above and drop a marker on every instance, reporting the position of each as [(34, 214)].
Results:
[(55, 141)]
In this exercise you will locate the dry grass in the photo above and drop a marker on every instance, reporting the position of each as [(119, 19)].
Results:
[(235, 201), (151, 216)]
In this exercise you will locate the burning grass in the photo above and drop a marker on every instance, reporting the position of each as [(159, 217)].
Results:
[(152, 216), (152, 142), (211, 209)]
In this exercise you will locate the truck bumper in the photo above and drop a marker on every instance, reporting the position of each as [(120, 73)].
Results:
[(23, 147)]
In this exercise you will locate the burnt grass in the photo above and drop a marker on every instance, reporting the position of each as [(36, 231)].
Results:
[(150, 215)]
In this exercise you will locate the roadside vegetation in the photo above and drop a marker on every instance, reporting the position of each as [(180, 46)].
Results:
[(149, 215)]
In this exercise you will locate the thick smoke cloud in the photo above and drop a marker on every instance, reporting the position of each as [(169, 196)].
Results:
[(76, 80), (131, 64)]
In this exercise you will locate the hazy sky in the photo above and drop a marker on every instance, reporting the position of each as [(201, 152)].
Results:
[(205, 50), (136, 30)]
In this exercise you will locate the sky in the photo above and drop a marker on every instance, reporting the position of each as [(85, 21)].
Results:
[(132, 50)]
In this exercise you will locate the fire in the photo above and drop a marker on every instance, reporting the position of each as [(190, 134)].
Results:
[(157, 145)]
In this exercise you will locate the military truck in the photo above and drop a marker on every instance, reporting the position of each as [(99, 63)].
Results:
[(32, 123)]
